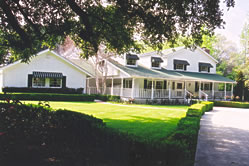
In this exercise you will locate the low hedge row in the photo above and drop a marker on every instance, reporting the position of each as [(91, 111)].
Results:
[(43, 90), (188, 127), (57, 97), (234, 104)]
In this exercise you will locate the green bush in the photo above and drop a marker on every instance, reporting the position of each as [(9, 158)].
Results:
[(234, 104), (209, 104), (57, 97)]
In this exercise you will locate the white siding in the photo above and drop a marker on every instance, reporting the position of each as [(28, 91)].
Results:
[(17, 75), (193, 58)]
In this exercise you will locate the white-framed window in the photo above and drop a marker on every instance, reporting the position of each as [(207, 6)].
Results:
[(155, 64), (131, 62), (206, 86), (179, 67), (127, 83), (179, 86), (55, 82), (204, 68), (159, 84), (38, 82)]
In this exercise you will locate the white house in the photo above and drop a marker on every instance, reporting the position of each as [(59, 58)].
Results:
[(177, 73), (45, 70)]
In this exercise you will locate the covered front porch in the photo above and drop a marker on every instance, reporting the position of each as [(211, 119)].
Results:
[(149, 88)]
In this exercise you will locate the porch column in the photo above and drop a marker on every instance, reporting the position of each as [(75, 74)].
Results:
[(87, 86), (213, 90), (122, 87), (152, 90), (185, 90), (112, 87), (200, 90), (225, 91), (133, 90), (169, 89), (232, 91)]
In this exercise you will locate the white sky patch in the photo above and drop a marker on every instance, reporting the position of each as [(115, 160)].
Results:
[(235, 19)]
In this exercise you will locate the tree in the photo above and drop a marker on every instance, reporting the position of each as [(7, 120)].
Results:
[(26, 26), (239, 89)]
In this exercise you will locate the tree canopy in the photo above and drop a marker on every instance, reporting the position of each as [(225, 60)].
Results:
[(26, 26)]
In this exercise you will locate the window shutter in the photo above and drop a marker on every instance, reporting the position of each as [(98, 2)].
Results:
[(173, 85), (123, 83), (199, 68), (208, 69), (64, 78), (196, 87), (185, 67), (30, 76), (174, 66), (164, 84), (145, 84), (211, 86), (202, 86)]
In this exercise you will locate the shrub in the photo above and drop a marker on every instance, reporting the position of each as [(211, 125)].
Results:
[(43, 90), (232, 104), (57, 97), (209, 104)]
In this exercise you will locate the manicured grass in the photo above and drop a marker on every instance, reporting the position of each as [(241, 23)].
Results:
[(144, 122)]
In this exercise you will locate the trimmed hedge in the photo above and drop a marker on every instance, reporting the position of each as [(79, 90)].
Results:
[(234, 104), (209, 104), (188, 127), (57, 97), (43, 90)]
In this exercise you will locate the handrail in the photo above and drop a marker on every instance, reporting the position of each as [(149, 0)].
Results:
[(206, 95)]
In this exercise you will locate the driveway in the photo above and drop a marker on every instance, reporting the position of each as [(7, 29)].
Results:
[(224, 138)]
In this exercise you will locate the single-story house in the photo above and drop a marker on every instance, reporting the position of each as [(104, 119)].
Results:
[(45, 70), (177, 73)]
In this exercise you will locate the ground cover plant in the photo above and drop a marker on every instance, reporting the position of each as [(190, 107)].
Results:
[(235, 104)]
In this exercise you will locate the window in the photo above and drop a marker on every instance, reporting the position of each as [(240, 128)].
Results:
[(131, 62), (204, 68), (55, 82), (206, 86), (127, 83), (38, 82), (179, 86), (159, 85), (179, 66), (155, 64)]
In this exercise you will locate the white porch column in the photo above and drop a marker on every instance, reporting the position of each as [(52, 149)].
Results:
[(112, 87), (185, 90), (225, 91), (213, 90), (200, 90), (169, 89), (88, 90), (122, 87), (133, 89), (152, 90), (232, 91)]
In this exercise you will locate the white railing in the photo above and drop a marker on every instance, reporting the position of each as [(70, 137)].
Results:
[(177, 94), (219, 94), (203, 93), (142, 93), (209, 93), (187, 93), (127, 92), (161, 93)]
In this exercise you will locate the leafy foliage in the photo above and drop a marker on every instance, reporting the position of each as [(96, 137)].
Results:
[(28, 26)]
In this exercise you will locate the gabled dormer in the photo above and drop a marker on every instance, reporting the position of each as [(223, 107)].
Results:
[(180, 65), (204, 67), (131, 60), (156, 62)]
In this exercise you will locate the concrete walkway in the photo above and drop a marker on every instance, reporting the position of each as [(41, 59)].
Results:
[(224, 138)]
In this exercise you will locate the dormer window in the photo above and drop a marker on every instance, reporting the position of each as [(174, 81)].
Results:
[(205, 67), (131, 60), (180, 65), (156, 62)]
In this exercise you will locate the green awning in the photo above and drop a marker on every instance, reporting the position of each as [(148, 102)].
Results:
[(132, 57), (205, 64), (156, 59), (38, 74), (182, 62)]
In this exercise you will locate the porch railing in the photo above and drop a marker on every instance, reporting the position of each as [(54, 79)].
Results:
[(202, 93)]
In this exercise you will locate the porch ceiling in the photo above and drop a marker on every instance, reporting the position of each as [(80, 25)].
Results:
[(143, 72)]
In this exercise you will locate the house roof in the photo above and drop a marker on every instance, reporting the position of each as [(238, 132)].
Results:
[(81, 68), (163, 73)]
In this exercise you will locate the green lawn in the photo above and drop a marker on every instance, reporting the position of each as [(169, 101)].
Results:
[(145, 122)]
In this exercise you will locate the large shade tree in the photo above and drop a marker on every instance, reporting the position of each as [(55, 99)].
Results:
[(26, 26)]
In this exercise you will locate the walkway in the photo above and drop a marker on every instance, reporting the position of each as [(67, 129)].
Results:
[(224, 138)]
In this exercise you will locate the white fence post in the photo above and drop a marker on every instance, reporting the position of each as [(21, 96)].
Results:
[(152, 90)]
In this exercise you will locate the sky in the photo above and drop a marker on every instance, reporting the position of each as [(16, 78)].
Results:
[(235, 19)]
